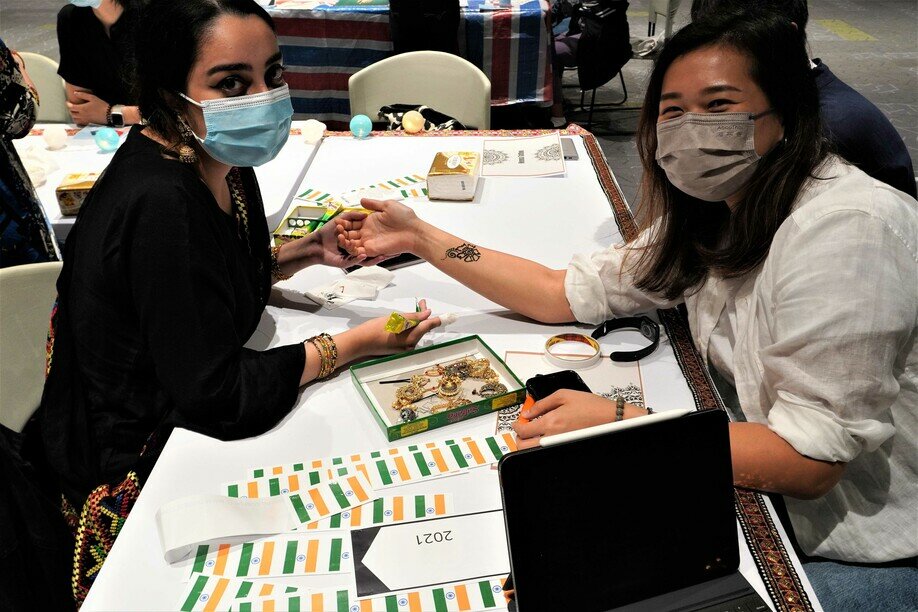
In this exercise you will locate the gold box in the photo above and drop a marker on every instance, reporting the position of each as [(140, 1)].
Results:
[(73, 190), (453, 175)]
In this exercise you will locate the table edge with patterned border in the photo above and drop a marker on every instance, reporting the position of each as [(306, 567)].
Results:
[(771, 556)]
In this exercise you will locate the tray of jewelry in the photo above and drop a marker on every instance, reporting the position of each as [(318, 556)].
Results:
[(435, 386)]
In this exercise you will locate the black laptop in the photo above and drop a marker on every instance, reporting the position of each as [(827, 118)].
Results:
[(667, 540)]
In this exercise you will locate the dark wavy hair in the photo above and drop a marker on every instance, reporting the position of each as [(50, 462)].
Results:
[(691, 237), (166, 49)]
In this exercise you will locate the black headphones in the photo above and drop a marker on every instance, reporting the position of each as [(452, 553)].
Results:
[(644, 324)]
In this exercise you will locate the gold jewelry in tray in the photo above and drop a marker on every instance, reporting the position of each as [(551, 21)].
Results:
[(448, 387)]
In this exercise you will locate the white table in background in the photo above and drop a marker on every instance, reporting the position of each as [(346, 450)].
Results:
[(277, 178)]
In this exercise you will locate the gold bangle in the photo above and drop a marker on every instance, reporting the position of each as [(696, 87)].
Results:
[(328, 354), (275, 267), (323, 357)]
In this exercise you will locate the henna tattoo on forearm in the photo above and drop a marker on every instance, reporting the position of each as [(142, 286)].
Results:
[(465, 251)]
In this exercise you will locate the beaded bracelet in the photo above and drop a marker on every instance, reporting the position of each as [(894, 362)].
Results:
[(275, 267), (328, 354), (619, 408)]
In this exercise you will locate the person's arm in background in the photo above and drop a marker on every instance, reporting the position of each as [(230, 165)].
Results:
[(86, 107), (18, 93)]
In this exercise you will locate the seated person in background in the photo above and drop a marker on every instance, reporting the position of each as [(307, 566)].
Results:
[(25, 235), (168, 268), (857, 129), (798, 273), (96, 41), (595, 40), (424, 25)]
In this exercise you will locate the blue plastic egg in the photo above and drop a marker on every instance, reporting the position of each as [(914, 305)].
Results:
[(361, 126), (107, 139)]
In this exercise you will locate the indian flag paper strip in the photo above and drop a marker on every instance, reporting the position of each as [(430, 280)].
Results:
[(276, 556), (476, 452), (331, 498), (322, 465), (387, 510), (473, 596), (281, 484), (413, 192), (441, 457), (411, 180), (403, 468), (316, 196), (317, 601), (211, 593)]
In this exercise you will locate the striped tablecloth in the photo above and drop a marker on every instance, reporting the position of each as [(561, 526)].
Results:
[(324, 45)]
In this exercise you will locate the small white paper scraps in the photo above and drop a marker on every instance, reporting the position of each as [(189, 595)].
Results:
[(361, 284)]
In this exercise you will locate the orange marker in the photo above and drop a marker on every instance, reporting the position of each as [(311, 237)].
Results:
[(526, 406)]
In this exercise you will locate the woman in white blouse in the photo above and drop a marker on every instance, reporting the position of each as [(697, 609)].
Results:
[(799, 273)]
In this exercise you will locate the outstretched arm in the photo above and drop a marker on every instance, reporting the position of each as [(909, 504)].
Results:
[(762, 460), (519, 284)]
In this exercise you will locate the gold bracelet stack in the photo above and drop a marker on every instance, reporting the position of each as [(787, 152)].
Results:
[(275, 267), (328, 354)]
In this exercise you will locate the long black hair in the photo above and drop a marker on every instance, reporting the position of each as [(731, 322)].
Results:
[(167, 48), (692, 238)]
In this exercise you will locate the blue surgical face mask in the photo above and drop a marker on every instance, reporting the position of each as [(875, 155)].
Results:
[(89, 3), (246, 130)]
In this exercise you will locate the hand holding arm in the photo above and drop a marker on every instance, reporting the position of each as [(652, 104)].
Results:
[(86, 107), (319, 247), (516, 283)]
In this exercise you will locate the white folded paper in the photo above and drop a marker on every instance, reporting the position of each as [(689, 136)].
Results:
[(361, 284), (186, 522)]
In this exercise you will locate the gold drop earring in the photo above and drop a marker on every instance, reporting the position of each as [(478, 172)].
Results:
[(187, 154)]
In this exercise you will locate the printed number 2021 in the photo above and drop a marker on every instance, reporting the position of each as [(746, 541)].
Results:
[(436, 536)]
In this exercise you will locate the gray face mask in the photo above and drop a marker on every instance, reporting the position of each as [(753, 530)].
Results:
[(709, 156)]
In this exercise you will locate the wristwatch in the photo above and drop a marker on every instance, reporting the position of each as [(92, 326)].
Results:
[(644, 324), (116, 116)]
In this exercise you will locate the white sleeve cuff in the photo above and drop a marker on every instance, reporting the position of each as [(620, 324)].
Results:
[(819, 433), (585, 292)]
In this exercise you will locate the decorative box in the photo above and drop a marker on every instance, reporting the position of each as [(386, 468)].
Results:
[(453, 175), (73, 190), (481, 388)]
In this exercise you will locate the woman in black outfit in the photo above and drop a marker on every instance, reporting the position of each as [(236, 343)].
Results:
[(96, 41), (168, 268)]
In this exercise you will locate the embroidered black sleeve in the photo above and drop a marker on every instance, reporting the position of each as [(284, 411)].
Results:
[(465, 252)]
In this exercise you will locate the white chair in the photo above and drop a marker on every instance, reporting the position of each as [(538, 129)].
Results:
[(665, 8), (53, 103), (445, 82), (26, 296)]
